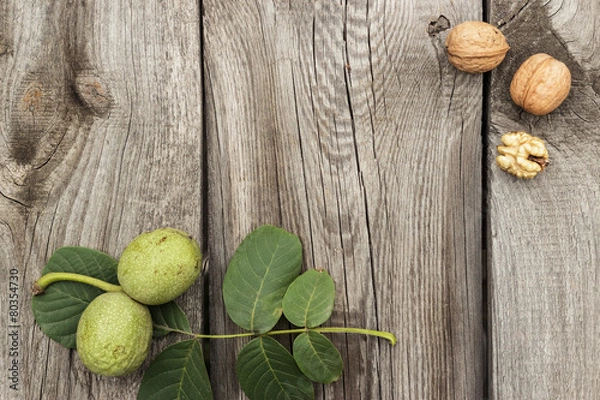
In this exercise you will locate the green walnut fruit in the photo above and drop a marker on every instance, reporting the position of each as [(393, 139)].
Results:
[(114, 334), (158, 266)]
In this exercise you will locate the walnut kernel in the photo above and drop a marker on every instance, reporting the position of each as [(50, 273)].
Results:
[(522, 155)]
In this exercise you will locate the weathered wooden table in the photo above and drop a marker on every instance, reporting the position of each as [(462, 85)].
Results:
[(342, 122)]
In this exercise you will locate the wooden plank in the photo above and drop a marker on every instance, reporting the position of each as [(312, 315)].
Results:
[(100, 139), (345, 124), (544, 234)]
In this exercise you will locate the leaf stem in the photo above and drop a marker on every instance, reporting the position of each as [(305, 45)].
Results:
[(46, 280), (385, 335)]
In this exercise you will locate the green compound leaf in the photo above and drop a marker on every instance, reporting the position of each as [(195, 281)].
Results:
[(178, 372), (317, 357), (262, 268), (266, 370), (57, 311), (168, 315), (308, 301)]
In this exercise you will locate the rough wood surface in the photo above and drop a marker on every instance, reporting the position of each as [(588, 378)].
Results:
[(100, 139), (340, 121), (544, 234), (345, 124)]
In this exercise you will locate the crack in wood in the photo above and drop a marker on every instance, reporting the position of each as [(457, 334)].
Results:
[(509, 18), (14, 200)]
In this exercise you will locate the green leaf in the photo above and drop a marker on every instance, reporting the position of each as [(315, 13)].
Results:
[(168, 315), (266, 370), (57, 311), (317, 357), (178, 372), (308, 301), (259, 273)]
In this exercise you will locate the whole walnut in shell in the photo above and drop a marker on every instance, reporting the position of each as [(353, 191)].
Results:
[(540, 84), (476, 46)]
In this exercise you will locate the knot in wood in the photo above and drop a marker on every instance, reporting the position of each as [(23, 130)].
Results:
[(32, 98), (439, 25), (93, 94)]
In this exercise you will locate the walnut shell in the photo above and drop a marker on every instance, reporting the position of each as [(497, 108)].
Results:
[(476, 46), (540, 84)]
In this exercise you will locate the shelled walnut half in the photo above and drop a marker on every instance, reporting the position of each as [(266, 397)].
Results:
[(522, 155)]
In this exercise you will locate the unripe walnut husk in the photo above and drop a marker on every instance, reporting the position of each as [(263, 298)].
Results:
[(540, 84), (476, 47), (158, 266)]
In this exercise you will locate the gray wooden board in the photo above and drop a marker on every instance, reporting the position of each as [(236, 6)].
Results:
[(345, 124), (100, 139), (544, 234)]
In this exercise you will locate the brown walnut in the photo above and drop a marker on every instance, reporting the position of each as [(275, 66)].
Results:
[(476, 46), (540, 84)]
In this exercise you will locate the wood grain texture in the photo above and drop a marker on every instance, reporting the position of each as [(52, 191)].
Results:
[(544, 234), (100, 139), (345, 124)]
